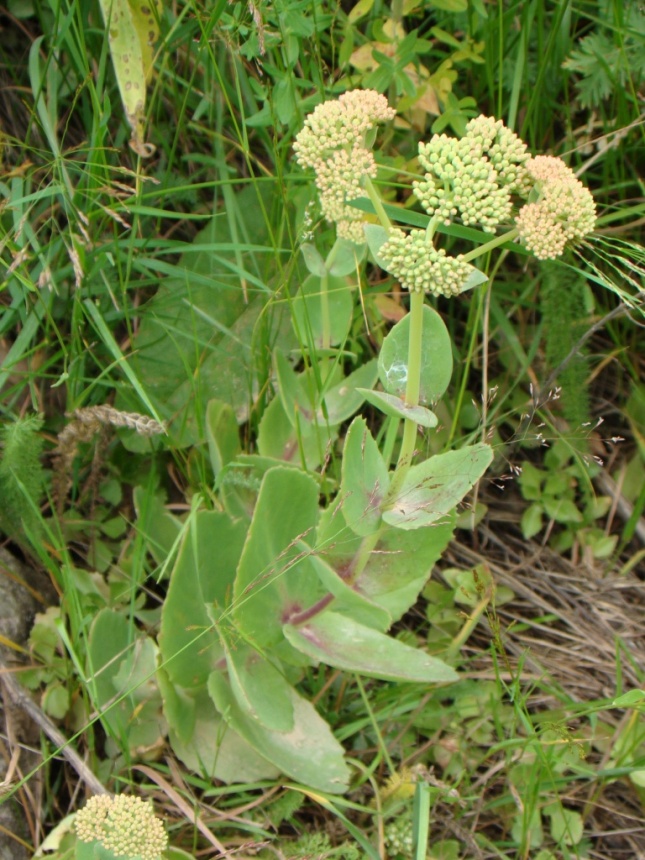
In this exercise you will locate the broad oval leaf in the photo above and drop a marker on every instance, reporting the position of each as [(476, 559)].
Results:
[(394, 406), (309, 753), (339, 641), (365, 480), (274, 577), (260, 689), (435, 487), (204, 573), (436, 358)]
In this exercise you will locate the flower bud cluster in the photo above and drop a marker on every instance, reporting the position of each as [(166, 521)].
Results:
[(563, 212), (420, 267), (399, 837), (124, 825), (333, 142), (473, 177)]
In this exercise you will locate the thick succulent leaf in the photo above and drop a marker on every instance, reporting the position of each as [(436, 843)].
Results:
[(211, 748), (342, 401), (260, 689), (204, 573), (398, 567), (436, 358), (222, 434), (365, 480), (350, 599), (275, 578), (396, 407), (435, 487), (340, 641), (309, 753), (303, 446), (121, 666)]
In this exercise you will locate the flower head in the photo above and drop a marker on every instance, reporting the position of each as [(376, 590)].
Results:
[(563, 212), (475, 176), (124, 825), (333, 142), (340, 124), (420, 267), (338, 180)]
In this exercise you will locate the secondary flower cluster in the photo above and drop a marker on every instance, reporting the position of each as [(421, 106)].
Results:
[(124, 825), (473, 177), (420, 267), (563, 212), (334, 142)]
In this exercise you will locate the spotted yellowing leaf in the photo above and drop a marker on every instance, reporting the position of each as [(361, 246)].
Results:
[(133, 29)]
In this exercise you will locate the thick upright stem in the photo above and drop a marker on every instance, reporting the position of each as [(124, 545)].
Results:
[(412, 388)]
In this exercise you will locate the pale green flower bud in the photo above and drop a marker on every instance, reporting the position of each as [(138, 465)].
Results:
[(420, 267), (473, 178)]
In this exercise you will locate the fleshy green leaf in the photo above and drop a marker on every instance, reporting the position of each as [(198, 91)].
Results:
[(347, 257), (347, 396), (388, 579), (365, 480), (436, 358), (212, 748), (434, 488), (308, 753), (222, 434), (351, 599), (339, 641), (398, 408), (274, 577), (204, 573), (313, 261), (260, 689)]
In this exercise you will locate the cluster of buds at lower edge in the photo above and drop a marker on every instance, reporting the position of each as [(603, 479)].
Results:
[(124, 825), (476, 179)]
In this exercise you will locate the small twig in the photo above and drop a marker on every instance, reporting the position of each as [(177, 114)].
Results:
[(18, 697)]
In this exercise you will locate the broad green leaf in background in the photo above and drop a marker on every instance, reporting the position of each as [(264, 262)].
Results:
[(436, 359), (198, 334), (305, 445), (295, 400), (222, 433), (308, 753), (433, 488), (308, 315), (275, 576), (365, 480), (121, 666), (339, 641)]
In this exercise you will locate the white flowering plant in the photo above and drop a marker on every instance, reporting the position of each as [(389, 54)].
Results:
[(299, 583), (487, 179)]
